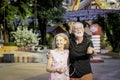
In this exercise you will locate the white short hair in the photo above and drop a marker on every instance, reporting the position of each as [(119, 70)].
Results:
[(77, 24)]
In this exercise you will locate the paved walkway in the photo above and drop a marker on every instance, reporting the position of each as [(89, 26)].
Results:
[(108, 70), (21, 71)]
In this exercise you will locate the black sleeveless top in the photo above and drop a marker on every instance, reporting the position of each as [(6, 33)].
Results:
[(79, 59)]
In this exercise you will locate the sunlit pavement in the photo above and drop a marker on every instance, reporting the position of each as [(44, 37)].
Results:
[(107, 70), (21, 71)]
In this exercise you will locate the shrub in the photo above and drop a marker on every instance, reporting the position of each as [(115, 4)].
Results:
[(1, 42), (24, 37), (10, 44)]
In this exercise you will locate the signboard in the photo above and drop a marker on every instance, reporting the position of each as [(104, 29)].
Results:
[(96, 34), (96, 43)]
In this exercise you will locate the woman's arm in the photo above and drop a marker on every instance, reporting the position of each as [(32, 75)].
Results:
[(49, 63)]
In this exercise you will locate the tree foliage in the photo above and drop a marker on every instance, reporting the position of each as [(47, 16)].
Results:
[(48, 10), (9, 10), (20, 9), (111, 27)]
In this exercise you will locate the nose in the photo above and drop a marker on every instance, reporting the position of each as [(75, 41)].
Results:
[(58, 41), (78, 30)]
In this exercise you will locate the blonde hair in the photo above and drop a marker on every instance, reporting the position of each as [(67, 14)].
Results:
[(66, 46)]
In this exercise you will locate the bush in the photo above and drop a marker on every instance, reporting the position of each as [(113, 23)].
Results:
[(1, 42), (10, 44), (24, 37), (117, 50)]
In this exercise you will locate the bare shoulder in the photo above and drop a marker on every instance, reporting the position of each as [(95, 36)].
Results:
[(49, 54)]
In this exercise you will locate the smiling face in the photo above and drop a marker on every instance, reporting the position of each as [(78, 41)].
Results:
[(60, 42), (78, 29)]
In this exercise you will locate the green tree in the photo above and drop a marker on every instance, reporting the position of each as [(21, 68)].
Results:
[(111, 27), (47, 10), (8, 11)]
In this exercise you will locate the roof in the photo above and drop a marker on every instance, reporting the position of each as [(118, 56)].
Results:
[(50, 28), (54, 30)]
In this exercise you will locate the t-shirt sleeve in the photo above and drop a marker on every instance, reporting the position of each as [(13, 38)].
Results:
[(91, 44)]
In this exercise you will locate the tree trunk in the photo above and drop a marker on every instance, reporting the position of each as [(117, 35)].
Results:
[(5, 36), (42, 28), (5, 33)]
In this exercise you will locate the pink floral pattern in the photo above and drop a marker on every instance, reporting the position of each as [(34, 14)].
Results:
[(59, 60)]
